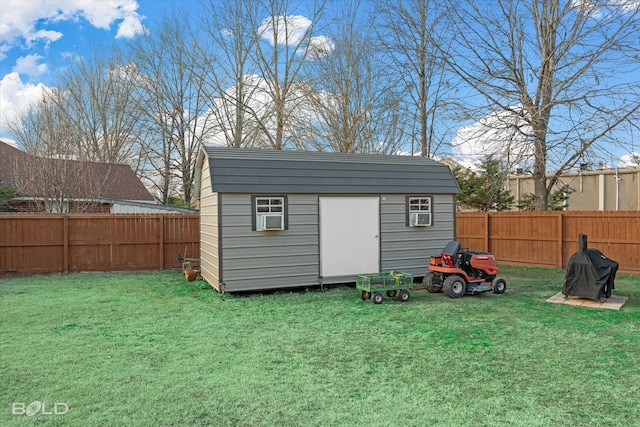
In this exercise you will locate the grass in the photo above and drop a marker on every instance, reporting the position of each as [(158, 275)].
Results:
[(153, 349)]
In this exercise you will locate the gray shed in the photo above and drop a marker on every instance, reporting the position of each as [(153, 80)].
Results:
[(276, 219)]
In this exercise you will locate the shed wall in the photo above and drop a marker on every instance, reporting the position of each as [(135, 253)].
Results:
[(209, 231), (253, 260), (269, 259), (408, 249)]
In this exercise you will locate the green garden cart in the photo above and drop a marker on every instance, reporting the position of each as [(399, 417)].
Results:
[(393, 283)]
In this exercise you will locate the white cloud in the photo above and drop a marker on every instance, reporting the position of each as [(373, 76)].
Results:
[(20, 18), (504, 135), (16, 96), (319, 47), (30, 65), (102, 14), (596, 7), (284, 29), (629, 160), (130, 27), (47, 36)]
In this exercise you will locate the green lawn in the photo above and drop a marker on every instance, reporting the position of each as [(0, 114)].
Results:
[(153, 349)]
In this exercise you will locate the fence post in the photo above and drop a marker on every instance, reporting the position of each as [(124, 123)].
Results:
[(161, 242), (65, 243), (487, 241), (560, 241)]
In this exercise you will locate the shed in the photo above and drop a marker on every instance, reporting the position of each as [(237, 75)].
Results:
[(276, 219)]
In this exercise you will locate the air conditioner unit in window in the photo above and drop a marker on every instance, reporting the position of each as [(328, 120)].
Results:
[(271, 222), (421, 219)]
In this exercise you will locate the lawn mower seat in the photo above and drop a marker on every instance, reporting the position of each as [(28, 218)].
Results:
[(452, 251)]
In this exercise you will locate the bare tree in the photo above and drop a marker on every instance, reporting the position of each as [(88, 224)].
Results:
[(281, 50), (56, 185), (409, 31), (98, 97), (88, 116), (568, 68), (46, 173), (352, 102), (233, 80), (173, 100), (45, 129)]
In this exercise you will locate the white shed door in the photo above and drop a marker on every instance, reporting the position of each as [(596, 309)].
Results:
[(349, 235)]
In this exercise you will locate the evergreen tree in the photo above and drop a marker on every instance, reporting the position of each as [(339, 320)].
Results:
[(557, 200), (6, 194), (483, 190)]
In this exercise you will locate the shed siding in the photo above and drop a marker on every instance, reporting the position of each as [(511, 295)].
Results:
[(209, 231), (408, 249), (255, 260)]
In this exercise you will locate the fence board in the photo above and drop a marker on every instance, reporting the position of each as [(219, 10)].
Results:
[(61, 243), (548, 239), (102, 242)]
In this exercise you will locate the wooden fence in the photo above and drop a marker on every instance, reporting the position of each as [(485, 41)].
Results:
[(67, 243), (548, 239), (102, 242)]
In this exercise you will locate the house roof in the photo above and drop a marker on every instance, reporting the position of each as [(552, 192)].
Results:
[(9, 156), (106, 180), (243, 170)]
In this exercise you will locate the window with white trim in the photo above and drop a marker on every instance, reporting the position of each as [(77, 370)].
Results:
[(419, 211), (269, 213)]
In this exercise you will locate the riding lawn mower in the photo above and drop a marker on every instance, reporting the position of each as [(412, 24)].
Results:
[(458, 271)]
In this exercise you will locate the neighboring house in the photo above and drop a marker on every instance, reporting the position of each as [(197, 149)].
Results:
[(587, 190), (70, 184), (275, 219), (132, 207), (602, 190)]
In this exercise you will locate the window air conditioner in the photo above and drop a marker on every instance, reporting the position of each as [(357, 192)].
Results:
[(421, 219), (271, 222)]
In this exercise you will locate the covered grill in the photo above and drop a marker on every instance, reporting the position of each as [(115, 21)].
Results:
[(590, 274)]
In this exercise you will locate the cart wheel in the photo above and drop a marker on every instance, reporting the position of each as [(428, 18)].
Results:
[(377, 298), (392, 293), (404, 295), (499, 285), (427, 282), (365, 295), (454, 286)]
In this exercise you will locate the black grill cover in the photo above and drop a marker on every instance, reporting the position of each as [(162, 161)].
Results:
[(589, 274)]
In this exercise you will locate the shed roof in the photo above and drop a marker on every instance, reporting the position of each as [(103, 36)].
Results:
[(243, 170)]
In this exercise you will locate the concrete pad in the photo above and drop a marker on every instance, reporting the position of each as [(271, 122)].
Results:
[(615, 302), (574, 301), (557, 298), (591, 303)]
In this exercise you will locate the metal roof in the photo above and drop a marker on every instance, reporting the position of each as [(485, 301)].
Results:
[(245, 170)]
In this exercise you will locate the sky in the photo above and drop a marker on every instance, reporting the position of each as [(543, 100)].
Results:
[(36, 36)]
